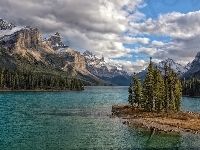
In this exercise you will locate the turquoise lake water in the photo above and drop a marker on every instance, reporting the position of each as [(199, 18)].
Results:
[(78, 120)]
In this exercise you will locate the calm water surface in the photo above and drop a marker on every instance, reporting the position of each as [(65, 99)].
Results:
[(78, 120)]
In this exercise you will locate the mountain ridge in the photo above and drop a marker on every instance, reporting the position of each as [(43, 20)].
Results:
[(26, 44)]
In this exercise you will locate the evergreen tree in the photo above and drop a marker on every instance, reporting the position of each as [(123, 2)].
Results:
[(177, 87), (158, 90), (173, 88), (166, 90), (14, 80), (137, 90), (148, 89), (130, 96), (157, 93)]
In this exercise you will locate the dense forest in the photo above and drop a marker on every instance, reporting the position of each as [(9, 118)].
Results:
[(157, 93), (191, 87), (16, 80)]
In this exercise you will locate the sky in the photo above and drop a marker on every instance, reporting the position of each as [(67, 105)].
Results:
[(125, 32)]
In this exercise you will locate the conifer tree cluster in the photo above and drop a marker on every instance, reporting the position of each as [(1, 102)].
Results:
[(15, 80), (191, 87), (157, 93)]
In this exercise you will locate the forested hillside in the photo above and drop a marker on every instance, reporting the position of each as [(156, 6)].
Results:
[(15, 80)]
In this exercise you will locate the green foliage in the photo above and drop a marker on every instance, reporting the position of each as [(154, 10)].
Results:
[(158, 90), (15, 80), (130, 97), (191, 87), (148, 89), (157, 94), (135, 91)]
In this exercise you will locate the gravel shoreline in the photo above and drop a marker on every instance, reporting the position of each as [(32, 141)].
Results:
[(184, 122)]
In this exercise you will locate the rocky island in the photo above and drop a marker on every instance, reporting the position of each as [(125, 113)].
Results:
[(173, 122), (155, 103)]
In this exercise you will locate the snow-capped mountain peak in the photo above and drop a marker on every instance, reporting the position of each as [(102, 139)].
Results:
[(55, 42), (7, 28), (176, 67), (4, 25), (101, 68)]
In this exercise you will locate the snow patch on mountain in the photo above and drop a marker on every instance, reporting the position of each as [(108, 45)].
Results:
[(55, 42), (176, 67), (7, 28), (8, 35), (99, 67), (4, 25)]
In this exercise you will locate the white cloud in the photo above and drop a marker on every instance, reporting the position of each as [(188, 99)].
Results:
[(157, 43), (98, 26), (101, 27), (131, 67), (175, 24)]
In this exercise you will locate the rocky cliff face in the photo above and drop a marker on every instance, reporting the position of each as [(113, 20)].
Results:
[(101, 68), (110, 72), (26, 42), (55, 42), (75, 60), (4, 25), (23, 48), (194, 67)]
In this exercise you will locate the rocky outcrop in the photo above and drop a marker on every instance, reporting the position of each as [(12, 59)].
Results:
[(25, 48), (55, 41), (26, 42), (4, 25), (75, 60), (194, 67), (113, 73), (99, 67)]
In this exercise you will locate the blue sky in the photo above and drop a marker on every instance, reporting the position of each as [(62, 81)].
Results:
[(126, 32)]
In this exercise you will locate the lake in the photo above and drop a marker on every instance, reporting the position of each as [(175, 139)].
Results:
[(79, 120)]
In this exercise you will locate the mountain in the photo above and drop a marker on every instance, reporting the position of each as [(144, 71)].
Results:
[(4, 25), (55, 42), (75, 62), (194, 68), (177, 68), (24, 49), (113, 73)]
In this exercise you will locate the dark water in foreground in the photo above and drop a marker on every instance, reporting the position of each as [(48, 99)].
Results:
[(78, 120)]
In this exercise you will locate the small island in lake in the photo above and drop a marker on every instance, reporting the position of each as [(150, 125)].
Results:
[(155, 104), (171, 122)]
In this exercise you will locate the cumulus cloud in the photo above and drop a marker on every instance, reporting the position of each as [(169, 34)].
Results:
[(175, 24), (103, 27), (96, 26), (131, 67), (183, 32)]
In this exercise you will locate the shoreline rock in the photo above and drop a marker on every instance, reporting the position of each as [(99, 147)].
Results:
[(181, 122)]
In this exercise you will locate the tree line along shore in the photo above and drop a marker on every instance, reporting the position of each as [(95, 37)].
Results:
[(29, 81)]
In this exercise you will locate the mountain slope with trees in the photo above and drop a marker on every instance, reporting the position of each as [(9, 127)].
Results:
[(24, 50)]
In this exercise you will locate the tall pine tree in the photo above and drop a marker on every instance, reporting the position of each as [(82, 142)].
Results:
[(137, 90), (148, 88), (158, 90)]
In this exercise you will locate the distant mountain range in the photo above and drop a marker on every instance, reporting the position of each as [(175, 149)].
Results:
[(23, 48), (181, 71)]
